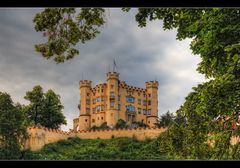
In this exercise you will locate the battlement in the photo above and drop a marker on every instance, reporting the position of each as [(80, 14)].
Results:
[(112, 75), (85, 83), (40, 136), (152, 84)]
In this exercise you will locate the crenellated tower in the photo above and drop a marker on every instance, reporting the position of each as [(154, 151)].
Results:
[(112, 115), (152, 102), (85, 105)]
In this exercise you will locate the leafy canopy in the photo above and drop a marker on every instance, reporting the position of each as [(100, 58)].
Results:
[(45, 108)]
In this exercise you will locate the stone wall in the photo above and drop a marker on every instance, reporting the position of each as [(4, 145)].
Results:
[(40, 136)]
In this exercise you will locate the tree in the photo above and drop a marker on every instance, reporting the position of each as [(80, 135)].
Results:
[(121, 124), (12, 128), (45, 108), (166, 119), (52, 116), (64, 28)]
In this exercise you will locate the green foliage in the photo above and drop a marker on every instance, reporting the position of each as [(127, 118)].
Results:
[(44, 108), (111, 149), (12, 128), (64, 28), (165, 120), (121, 124)]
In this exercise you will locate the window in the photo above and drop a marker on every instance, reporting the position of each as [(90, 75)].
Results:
[(142, 121), (94, 101), (118, 98), (139, 101), (149, 95), (93, 120), (148, 122), (144, 111), (130, 99), (139, 111), (144, 95), (112, 86), (98, 108), (149, 102), (102, 90), (130, 108), (102, 118), (98, 118), (139, 93), (98, 99), (102, 107), (88, 101), (149, 112), (102, 98), (86, 120), (144, 102), (88, 110), (94, 110), (87, 94), (118, 106), (111, 104)]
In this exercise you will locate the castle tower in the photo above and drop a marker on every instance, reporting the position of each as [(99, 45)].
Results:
[(112, 115), (85, 104), (152, 102)]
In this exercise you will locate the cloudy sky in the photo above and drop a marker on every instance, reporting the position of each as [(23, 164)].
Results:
[(141, 54)]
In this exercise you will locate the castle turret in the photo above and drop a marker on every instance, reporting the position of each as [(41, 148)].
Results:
[(112, 115), (152, 102), (85, 104)]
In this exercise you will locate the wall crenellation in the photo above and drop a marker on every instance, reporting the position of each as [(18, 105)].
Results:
[(40, 136)]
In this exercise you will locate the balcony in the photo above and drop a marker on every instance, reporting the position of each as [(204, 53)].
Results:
[(130, 112), (112, 97)]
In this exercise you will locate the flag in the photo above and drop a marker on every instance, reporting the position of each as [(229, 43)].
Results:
[(114, 65)]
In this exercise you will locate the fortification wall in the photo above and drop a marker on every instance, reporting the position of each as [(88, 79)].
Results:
[(40, 136), (138, 133)]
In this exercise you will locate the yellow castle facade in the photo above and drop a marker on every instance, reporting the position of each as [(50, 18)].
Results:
[(114, 100)]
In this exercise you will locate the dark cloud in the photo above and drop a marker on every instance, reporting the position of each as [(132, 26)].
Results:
[(142, 54)]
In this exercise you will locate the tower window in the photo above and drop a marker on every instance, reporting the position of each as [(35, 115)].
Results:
[(88, 101), (86, 120), (102, 107), (87, 94), (88, 110), (98, 108), (130, 99), (144, 102), (149, 112), (139, 111), (118, 97), (118, 106), (149, 95), (102, 90), (94, 110), (139, 101), (112, 104), (102, 98), (112, 86), (144, 111), (98, 99), (130, 108), (149, 102), (94, 101), (102, 118), (93, 120)]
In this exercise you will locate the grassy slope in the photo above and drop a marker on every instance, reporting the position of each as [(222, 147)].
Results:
[(98, 149)]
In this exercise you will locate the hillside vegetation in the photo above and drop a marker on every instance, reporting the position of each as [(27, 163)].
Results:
[(98, 149)]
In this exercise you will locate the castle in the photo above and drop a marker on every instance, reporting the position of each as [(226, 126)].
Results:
[(114, 100)]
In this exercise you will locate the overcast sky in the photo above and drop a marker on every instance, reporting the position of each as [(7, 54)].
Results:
[(141, 54)]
